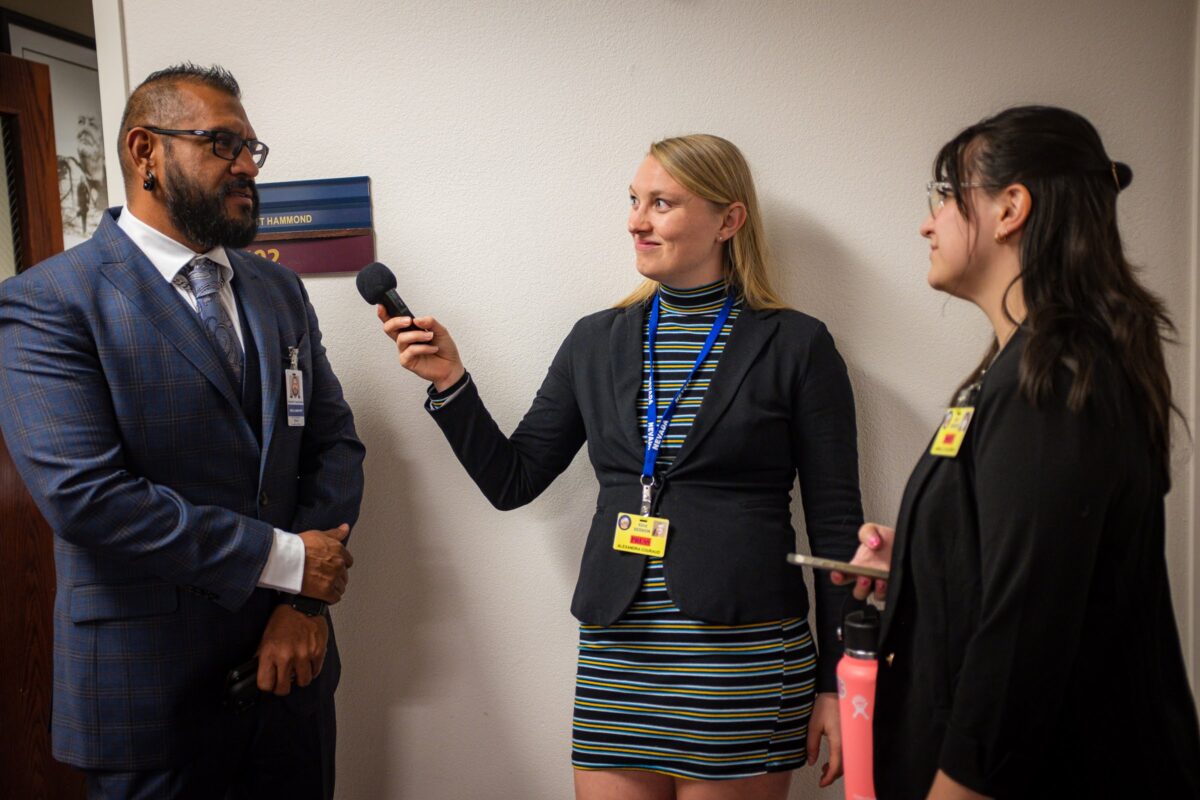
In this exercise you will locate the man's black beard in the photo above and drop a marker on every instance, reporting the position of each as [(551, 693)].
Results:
[(203, 218)]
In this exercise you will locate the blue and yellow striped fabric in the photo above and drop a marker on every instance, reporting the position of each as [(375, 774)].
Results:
[(661, 692)]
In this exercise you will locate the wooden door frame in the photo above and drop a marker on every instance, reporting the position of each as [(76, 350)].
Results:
[(33, 140), (27, 769)]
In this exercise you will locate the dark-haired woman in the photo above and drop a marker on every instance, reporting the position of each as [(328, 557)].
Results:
[(1029, 645)]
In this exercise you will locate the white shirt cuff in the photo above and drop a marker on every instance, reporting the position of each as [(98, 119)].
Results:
[(285, 564)]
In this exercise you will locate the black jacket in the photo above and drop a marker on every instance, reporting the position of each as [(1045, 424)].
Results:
[(1029, 645), (779, 404)]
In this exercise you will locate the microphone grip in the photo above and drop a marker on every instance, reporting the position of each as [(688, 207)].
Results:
[(395, 307)]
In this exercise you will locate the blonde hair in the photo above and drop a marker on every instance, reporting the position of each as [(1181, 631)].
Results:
[(714, 169)]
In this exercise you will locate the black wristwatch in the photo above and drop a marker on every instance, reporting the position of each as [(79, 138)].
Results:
[(308, 606)]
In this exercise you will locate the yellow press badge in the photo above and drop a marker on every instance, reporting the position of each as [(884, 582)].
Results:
[(645, 536), (952, 432)]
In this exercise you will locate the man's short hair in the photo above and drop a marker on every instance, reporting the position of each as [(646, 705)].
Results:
[(156, 100)]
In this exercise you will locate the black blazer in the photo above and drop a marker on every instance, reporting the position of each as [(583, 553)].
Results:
[(1029, 644), (779, 404)]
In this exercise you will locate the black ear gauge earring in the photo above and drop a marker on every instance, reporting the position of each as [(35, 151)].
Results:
[(148, 184)]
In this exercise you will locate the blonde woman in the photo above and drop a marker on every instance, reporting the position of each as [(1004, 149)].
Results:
[(701, 397)]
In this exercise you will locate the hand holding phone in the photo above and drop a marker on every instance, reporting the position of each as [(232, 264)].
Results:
[(241, 686), (874, 550)]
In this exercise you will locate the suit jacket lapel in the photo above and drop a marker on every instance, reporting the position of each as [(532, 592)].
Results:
[(260, 322), (625, 354), (127, 268), (750, 334), (904, 532)]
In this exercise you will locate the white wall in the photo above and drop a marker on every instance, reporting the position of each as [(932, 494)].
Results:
[(8, 255), (499, 137), (1191, 615)]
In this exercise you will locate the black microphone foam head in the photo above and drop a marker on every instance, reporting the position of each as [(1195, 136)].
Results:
[(373, 281)]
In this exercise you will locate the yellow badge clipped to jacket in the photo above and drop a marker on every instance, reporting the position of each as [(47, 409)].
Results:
[(952, 431), (645, 536)]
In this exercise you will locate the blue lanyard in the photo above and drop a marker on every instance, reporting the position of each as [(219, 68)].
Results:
[(656, 426)]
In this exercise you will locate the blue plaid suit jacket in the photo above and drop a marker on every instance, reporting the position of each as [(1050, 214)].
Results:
[(133, 442)]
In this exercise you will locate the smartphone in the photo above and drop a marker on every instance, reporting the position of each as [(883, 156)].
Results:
[(841, 566), (241, 686)]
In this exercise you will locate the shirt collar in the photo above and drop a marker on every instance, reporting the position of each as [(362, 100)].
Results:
[(167, 255), (706, 299)]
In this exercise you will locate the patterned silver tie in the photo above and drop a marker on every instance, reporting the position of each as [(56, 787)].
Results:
[(204, 275)]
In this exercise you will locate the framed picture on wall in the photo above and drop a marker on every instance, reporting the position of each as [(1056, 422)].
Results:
[(75, 98)]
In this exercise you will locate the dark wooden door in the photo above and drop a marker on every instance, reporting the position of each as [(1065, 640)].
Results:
[(27, 770)]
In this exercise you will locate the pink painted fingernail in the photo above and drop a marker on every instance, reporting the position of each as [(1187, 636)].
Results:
[(864, 583), (874, 542)]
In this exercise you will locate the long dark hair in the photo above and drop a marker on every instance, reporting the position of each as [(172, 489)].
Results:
[(1083, 300)]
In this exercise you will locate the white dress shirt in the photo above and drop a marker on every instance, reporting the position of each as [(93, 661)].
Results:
[(285, 563)]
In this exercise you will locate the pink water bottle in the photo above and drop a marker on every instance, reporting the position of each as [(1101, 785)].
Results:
[(856, 700)]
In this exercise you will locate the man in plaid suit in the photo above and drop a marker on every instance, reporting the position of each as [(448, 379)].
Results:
[(199, 518)]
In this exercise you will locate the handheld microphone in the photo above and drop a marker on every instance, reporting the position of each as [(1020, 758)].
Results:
[(377, 285)]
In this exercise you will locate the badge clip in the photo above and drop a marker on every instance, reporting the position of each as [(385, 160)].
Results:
[(647, 495)]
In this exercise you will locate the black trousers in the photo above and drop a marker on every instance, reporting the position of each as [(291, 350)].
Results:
[(269, 751)]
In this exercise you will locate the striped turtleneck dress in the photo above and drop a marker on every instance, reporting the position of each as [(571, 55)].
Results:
[(659, 691)]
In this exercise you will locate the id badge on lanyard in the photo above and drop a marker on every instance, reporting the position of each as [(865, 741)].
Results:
[(641, 533), (293, 387), (953, 430)]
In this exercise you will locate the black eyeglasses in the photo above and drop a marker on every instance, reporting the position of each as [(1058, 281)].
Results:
[(225, 145)]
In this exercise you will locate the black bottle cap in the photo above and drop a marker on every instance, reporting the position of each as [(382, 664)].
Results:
[(860, 632)]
